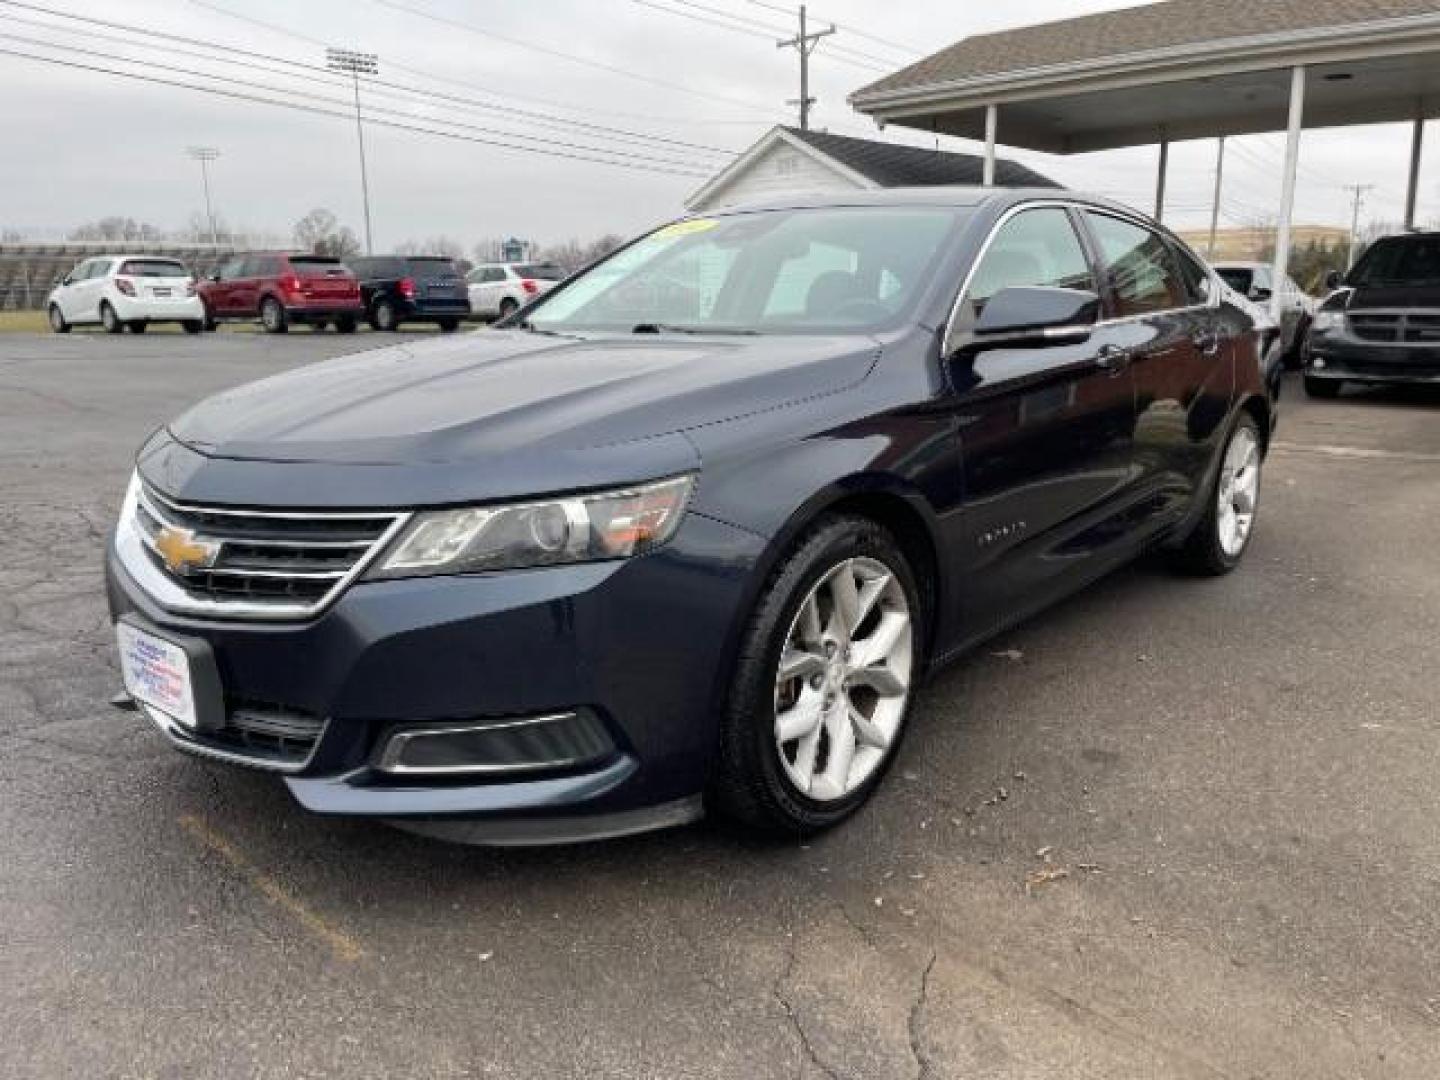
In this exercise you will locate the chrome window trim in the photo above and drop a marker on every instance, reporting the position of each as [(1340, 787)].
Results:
[(947, 340), (131, 545), (389, 760)]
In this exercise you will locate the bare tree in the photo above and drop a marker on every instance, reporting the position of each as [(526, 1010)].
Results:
[(320, 232), (116, 227)]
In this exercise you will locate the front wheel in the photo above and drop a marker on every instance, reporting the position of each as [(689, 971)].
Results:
[(109, 320), (345, 324), (449, 326), (272, 316), (1220, 538), (57, 320), (823, 683), (193, 326), (1322, 388)]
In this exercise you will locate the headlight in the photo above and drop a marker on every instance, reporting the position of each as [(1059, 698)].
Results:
[(582, 528), (1327, 320)]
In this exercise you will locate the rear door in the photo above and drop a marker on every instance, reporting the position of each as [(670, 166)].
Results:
[(91, 290), (1181, 355), (1046, 433)]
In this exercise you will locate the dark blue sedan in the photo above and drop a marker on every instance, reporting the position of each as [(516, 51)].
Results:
[(685, 533)]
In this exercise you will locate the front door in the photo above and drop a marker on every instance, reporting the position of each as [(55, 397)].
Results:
[(1046, 436)]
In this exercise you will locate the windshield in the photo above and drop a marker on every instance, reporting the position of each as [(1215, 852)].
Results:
[(820, 270), (1408, 260), (153, 268), (1237, 277)]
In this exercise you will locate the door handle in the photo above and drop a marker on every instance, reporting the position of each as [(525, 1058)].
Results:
[(1112, 358), (1208, 342)]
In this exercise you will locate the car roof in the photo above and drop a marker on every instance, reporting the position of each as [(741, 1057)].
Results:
[(125, 258), (929, 195)]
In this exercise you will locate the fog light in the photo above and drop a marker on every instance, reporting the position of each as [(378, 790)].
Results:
[(1317, 362), (527, 744)]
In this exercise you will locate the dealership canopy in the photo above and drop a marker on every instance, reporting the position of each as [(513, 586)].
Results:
[(1184, 69)]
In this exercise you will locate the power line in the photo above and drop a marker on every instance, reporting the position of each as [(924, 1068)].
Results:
[(850, 28), (317, 74), (841, 53), (295, 106), (571, 57)]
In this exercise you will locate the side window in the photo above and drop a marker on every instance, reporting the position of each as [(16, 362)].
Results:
[(229, 269), (1139, 264), (81, 272), (1195, 276), (1035, 247), (99, 268), (494, 275)]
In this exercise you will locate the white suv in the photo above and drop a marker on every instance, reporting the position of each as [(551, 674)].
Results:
[(498, 289), (117, 291)]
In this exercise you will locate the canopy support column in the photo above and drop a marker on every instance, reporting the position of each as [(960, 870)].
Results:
[(1160, 171), (1416, 141), (992, 117), (1287, 188)]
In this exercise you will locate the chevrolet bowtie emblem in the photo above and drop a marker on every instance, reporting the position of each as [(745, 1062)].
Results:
[(182, 552)]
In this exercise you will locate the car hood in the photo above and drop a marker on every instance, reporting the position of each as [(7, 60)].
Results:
[(491, 393)]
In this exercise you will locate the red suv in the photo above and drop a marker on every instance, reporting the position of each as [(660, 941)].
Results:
[(280, 289)]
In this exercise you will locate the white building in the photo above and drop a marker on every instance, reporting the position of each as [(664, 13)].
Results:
[(789, 160)]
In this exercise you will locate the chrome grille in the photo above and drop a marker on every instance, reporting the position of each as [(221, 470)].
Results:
[(1376, 327), (258, 564)]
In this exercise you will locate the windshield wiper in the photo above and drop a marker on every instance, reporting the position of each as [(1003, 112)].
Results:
[(668, 328)]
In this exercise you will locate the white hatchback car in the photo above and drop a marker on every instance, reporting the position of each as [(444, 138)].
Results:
[(498, 289), (117, 291)]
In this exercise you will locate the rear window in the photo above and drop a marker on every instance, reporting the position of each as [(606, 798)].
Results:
[(542, 271), (153, 268), (316, 264), (1237, 277), (431, 266)]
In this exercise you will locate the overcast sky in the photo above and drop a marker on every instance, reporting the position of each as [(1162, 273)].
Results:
[(84, 144)]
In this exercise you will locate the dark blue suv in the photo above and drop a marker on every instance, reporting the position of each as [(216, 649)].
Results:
[(688, 533)]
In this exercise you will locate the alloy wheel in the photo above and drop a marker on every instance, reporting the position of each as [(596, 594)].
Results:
[(1239, 491), (843, 679)]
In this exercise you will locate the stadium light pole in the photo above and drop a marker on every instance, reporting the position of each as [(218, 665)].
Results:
[(356, 64), (205, 155)]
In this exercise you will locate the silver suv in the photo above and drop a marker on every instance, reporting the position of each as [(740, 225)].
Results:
[(498, 289)]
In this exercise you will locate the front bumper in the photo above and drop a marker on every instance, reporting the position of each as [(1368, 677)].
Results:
[(1345, 358), (642, 644)]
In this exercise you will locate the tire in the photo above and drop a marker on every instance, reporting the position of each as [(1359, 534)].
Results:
[(210, 324), (138, 326), (193, 326), (383, 316), (449, 326), (58, 324), (508, 307), (345, 324), (1219, 540), (319, 326), (1322, 388), (755, 781), (109, 320), (273, 317)]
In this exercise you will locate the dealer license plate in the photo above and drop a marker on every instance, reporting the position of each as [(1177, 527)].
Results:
[(156, 673)]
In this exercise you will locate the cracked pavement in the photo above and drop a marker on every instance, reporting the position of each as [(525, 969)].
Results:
[(1239, 777)]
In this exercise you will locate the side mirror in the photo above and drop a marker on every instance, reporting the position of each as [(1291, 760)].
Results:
[(66, 280), (1334, 279), (213, 276), (1260, 294), (1036, 316)]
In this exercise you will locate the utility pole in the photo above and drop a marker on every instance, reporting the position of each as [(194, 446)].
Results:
[(1215, 206), (205, 155), (804, 43), (1358, 191), (356, 64)]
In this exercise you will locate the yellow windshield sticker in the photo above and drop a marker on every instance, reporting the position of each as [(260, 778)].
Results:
[(686, 228)]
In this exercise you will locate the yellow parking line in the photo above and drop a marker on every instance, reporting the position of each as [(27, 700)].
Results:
[(341, 944)]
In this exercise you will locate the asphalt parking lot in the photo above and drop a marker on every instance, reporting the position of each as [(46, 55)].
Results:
[(1225, 797)]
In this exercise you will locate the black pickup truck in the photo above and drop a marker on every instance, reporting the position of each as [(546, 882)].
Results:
[(1381, 324)]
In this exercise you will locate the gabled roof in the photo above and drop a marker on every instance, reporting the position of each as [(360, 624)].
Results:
[(872, 164), (1174, 24)]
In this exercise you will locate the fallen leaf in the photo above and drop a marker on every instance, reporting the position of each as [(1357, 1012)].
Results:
[(1043, 876)]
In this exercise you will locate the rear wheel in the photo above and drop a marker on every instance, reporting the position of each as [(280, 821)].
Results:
[(272, 316), (138, 326), (383, 316), (822, 687), (449, 325), (508, 307), (1322, 388), (1219, 540), (193, 326), (57, 320), (109, 320), (345, 324)]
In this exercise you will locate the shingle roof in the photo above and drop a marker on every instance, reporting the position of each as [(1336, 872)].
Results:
[(1174, 23), (897, 165)]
